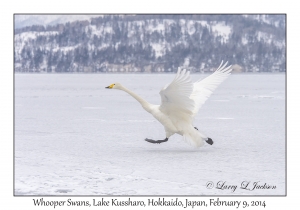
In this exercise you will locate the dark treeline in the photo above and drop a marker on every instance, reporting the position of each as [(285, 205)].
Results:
[(152, 43)]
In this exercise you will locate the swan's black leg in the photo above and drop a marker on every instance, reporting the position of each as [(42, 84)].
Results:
[(209, 141), (156, 141), (196, 128)]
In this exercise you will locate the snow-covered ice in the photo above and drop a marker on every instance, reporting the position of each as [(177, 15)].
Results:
[(74, 137)]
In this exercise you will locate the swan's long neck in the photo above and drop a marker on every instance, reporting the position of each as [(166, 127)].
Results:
[(144, 103)]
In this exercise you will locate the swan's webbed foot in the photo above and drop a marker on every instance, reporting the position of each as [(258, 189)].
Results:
[(209, 141), (156, 141)]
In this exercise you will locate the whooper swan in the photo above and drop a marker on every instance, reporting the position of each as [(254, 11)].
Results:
[(180, 102)]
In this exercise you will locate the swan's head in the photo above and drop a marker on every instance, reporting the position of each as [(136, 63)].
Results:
[(114, 86)]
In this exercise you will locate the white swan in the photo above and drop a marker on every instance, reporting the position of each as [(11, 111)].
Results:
[(180, 102)]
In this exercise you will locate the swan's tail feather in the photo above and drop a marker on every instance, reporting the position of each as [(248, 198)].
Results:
[(194, 138)]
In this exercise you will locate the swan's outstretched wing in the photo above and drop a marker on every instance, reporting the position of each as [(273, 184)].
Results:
[(175, 97), (204, 88)]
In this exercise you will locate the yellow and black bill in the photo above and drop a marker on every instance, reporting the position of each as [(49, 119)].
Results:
[(111, 86)]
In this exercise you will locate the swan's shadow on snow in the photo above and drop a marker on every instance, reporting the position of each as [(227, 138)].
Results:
[(177, 150)]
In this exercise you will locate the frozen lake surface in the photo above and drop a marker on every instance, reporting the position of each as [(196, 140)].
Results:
[(74, 137)]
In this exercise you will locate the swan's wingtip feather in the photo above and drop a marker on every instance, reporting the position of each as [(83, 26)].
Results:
[(178, 70)]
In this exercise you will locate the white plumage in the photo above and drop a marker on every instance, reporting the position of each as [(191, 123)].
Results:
[(180, 102)]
